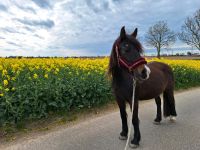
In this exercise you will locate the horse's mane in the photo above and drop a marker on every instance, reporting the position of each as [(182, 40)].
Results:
[(113, 63)]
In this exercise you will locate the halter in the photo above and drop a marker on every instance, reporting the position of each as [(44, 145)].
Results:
[(131, 65)]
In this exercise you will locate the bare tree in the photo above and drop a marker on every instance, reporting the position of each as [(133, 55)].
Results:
[(159, 35), (190, 30)]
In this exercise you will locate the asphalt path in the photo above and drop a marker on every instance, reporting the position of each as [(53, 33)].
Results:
[(102, 133)]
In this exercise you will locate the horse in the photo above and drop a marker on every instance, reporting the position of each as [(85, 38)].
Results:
[(152, 79)]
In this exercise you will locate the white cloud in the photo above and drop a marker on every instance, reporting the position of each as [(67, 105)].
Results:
[(68, 27)]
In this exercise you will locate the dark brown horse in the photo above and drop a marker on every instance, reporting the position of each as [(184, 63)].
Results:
[(152, 80)]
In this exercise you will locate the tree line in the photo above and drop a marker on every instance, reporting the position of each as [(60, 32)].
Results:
[(161, 36)]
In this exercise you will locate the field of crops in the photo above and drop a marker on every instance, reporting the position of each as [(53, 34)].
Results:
[(34, 88)]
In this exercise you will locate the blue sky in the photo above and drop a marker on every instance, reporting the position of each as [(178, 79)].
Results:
[(81, 27)]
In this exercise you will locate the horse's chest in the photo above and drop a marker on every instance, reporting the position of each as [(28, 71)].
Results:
[(123, 90)]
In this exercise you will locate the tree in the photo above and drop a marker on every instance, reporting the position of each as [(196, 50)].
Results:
[(190, 30), (159, 35)]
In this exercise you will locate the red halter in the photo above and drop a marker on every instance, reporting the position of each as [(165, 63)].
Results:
[(131, 65)]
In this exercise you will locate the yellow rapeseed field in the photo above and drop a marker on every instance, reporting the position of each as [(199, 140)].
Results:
[(194, 64), (11, 68), (99, 65), (31, 88)]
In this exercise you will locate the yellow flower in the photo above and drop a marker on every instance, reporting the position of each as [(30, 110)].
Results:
[(48, 69), (13, 89), (57, 69), (37, 67), (13, 78), (1, 95), (35, 76), (8, 77), (4, 72), (31, 69), (46, 76), (5, 82), (7, 89)]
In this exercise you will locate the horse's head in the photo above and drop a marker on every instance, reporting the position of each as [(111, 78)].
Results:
[(126, 54)]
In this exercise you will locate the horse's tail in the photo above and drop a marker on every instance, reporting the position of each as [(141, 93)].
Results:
[(166, 108), (169, 103), (168, 95)]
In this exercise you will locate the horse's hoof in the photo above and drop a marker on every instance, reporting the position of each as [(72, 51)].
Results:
[(122, 137), (133, 145), (172, 118), (156, 123)]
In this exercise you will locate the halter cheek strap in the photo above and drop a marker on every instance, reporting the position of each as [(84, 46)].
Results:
[(117, 53), (132, 65)]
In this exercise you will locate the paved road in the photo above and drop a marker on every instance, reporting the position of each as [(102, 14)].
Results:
[(102, 133)]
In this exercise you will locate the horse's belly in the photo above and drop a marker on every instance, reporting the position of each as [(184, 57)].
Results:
[(150, 89), (149, 95)]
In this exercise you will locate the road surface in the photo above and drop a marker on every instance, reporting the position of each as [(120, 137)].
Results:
[(102, 133)]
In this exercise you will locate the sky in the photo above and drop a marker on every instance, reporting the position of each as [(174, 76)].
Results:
[(82, 27)]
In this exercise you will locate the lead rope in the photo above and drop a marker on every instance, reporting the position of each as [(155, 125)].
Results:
[(130, 121)]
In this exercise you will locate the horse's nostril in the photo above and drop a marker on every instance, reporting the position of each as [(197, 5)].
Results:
[(144, 73)]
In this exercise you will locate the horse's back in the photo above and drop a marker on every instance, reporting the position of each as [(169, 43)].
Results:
[(161, 66), (164, 68)]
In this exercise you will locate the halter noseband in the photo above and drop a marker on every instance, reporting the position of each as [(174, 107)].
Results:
[(129, 66)]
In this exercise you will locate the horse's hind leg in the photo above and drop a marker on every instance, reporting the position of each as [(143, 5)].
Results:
[(159, 111), (169, 104), (124, 132)]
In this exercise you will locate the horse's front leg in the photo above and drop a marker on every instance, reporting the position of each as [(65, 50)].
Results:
[(124, 132), (135, 121)]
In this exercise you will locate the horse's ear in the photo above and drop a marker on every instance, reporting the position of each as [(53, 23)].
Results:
[(122, 33), (134, 34)]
